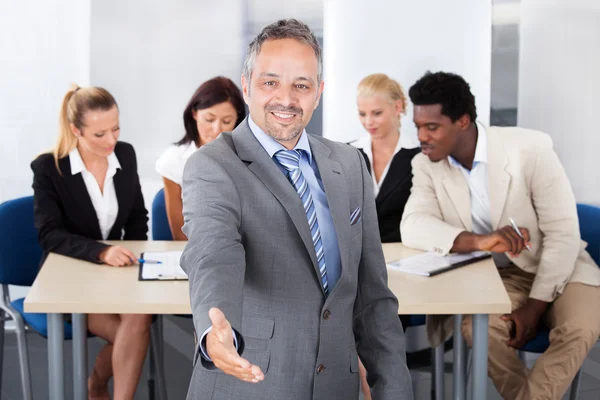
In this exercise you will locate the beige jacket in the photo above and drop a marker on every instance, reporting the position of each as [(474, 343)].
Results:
[(526, 182)]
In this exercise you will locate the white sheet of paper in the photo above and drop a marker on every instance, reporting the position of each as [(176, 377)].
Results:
[(427, 263), (169, 269)]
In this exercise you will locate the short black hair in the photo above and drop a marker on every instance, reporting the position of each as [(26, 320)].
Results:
[(445, 88)]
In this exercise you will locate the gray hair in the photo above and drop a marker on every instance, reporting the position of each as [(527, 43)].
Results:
[(283, 29)]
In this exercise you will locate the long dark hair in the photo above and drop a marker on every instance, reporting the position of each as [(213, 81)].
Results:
[(214, 91)]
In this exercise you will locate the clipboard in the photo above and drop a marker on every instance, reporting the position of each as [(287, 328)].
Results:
[(430, 264), (168, 270)]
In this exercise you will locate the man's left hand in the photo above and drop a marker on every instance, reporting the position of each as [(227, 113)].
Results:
[(525, 321)]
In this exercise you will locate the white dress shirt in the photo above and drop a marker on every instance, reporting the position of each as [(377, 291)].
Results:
[(171, 162), (105, 203), (365, 144), (478, 181)]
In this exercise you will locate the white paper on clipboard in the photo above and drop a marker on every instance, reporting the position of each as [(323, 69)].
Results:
[(168, 269)]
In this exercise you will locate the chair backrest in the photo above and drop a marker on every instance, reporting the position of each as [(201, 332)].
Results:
[(160, 222), (589, 226), (20, 251)]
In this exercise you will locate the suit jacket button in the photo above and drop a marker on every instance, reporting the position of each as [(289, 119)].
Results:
[(326, 314), (320, 368)]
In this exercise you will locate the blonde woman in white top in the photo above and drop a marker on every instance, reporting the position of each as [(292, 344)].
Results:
[(216, 106), (85, 192)]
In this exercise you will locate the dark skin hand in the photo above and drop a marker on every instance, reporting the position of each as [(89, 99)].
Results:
[(525, 320), (503, 240)]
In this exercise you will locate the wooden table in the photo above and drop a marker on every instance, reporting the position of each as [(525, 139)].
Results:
[(474, 289), (68, 286), (65, 285)]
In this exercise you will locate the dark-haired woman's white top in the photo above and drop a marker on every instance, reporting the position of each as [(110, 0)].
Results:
[(171, 162)]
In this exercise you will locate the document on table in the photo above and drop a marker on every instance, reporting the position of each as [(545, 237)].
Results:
[(168, 269), (430, 264)]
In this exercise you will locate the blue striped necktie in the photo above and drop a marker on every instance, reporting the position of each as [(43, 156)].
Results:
[(290, 160)]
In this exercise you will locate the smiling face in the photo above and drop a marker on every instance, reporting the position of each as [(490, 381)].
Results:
[(283, 91), (100, 132)]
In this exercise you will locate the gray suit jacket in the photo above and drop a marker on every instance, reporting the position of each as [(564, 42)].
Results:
[(250, 254)]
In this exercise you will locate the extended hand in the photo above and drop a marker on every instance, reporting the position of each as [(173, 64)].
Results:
[(504, 240), (525, 321), (221, 350)]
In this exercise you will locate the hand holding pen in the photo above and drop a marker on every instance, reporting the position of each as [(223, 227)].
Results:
[(516, 229), (117, 256), (504, 240)]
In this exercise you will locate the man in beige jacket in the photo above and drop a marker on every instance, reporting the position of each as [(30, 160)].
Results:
[(468, 182)]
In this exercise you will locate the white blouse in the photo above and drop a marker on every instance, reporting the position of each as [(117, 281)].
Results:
[(105, 203), (171, 162), (364, 143)]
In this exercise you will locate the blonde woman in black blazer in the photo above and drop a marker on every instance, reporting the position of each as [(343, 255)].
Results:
[(86, 191)]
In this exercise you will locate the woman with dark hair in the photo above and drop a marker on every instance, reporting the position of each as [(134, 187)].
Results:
[(216, 106)]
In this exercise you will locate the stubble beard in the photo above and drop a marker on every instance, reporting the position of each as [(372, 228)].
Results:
[(278, 133)]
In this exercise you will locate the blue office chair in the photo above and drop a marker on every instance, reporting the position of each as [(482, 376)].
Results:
[(589, 227), (160, 222), (20, 255)]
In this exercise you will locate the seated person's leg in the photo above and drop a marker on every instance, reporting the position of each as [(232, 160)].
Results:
[(129, 351), (574, 323), (504, 366), (104, 326)]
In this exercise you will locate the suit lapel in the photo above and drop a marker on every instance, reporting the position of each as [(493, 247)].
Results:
[(76, 187), (250, 150), (336, 191), (498, 175), (397, 174), (457, 189)]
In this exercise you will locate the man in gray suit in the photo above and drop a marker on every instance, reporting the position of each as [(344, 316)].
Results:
[(288, 283)]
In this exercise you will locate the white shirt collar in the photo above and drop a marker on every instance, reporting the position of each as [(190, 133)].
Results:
[(365, 143), (481, 155), (78, 166)]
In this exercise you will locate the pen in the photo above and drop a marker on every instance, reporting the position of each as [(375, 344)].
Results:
[(516, 228), (141, 260)]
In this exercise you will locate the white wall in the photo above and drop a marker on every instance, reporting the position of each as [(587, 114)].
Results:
[(43, 48), (559, 84), (404, 39), (152, 55), (265, 12)]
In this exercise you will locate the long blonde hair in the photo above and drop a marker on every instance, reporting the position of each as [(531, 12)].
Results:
[(75, 104), (382, 84)]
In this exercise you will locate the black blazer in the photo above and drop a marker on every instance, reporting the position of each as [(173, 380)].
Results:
[(394, 193), (65, 218)]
